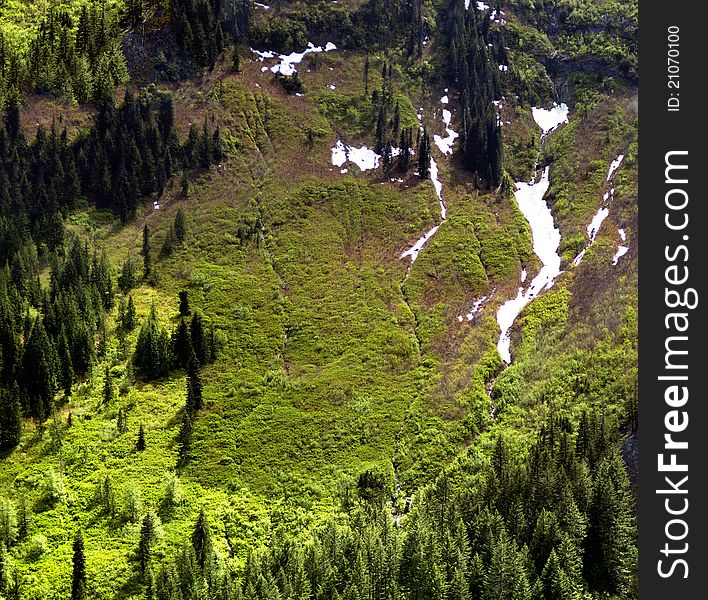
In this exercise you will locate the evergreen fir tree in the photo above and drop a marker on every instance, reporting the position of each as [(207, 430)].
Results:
[(107, 387), (184, 439), (127, 278), (196, 330), (78, 578), (10, 418), (147, 537), (387, 160), (140, 444), (145, 251), (121, 421), (168, 245), (182, 348), (236, 59), (184, 304), (201, 540), (194, 385), (38, 375), (152, 357), (129, 319), (180, 225), (553, 583), (424, 156)]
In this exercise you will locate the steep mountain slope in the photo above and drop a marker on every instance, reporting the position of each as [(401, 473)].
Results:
[(360, 434)]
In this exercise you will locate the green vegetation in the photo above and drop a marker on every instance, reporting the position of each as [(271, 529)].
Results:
[(218, 379)]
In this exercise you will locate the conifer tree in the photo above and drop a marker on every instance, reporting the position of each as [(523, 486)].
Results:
[(150, 585), (405, 143), (101, 276), (184, 304), (78, 578), (201, 540), (9, 347), (152, 357), (147, 537), (107, 387), (145, 251), (236, 59), (184, 438), (553, 583), (140, 444), (38, 375), (127, 278), (105, 496), (180, 225), (182, 344), (506, 576), (129, 318), (194, 385), (121, 421), (8, 522), (196, 330), (168, 245), (424, 156), (610, 553), (387, 159), (10, 418)]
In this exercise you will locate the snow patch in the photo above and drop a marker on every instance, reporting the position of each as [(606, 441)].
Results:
[(414, 250), (621, 251), (614, 165), (596, 222), (363, 157), (474, 311), (264, 54), (287, 63), (547, 119), (437, 184), (444, 144), (592, 230)]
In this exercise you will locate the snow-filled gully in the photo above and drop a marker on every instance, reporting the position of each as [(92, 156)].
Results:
[(445, 146), (545, 235)]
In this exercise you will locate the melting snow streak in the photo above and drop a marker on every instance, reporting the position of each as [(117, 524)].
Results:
[(287, 63), (546, 237)]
